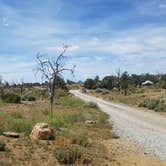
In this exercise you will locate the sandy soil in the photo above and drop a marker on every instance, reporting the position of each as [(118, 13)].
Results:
[(125, 153)]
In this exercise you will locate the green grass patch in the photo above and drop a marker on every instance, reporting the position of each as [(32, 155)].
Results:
[(20, 125), (70, 101)]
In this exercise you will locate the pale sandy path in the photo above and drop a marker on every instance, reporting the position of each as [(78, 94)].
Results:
[(144, 128)]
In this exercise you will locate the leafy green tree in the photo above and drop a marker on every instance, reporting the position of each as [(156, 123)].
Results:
[(108, 82), (136, 80), (89, 83), (124, 82), (70, 82)]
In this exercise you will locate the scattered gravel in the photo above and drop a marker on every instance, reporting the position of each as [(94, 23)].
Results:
[(144, 128)]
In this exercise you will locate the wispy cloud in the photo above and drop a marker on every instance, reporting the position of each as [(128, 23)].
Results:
[(103, 35)]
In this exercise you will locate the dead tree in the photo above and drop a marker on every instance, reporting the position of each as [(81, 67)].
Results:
[(50, 70)]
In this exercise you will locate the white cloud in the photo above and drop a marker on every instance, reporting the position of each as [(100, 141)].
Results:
[(162, 5), (93, 53)]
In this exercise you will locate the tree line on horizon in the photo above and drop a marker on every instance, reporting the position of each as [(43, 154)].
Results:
[(124, 81)]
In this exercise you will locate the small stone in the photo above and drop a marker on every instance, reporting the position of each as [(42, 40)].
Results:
[(90, 122), (145, 153), (11, 134)]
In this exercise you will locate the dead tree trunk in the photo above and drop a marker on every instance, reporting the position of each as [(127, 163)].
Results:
[(50, 69)]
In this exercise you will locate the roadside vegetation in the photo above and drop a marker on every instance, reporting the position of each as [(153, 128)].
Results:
[(76, 142), (130, 89)]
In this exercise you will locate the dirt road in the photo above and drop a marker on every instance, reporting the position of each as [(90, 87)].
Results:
[(144, 128)]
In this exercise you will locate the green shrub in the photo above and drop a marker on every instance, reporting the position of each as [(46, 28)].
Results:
[(80, 139), (163, 85), (57, 122), (46, 112), (11, 98), (161, 106), (115, 136), (99, 90), (103, 119), (60, 93), (103, 91), (2, 146), (80, 117), (90, 105), (1, 131), (28, 97), (155, 104), (68, 154), (143, 103)]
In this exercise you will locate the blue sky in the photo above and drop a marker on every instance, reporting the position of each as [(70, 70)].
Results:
[(104, 35)]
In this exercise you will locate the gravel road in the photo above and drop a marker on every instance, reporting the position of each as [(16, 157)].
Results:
[(144, 128)]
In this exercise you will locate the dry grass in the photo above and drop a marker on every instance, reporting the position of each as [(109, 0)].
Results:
[(68, 121), (134, 96)]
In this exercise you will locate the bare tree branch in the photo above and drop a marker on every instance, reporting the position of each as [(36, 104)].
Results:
[(51, 69)]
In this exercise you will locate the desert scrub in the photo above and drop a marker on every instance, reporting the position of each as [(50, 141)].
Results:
[(91, 105), (60, 93), (1, 131), (68, 154), (103, 91), (2, 146), (28, 97), (114, 135), (154, 104), (103, 119), (80, 139), (11, 98)]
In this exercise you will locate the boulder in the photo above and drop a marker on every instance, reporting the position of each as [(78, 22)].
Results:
[(42, 131)]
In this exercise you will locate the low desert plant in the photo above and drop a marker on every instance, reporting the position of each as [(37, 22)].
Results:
[(28, 97), (114, 135), (163, 85), (60, 93), (103, 91), (155, 104), (11, 98), (80, 139), (91, 105), (68, 154), (2, 146)]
